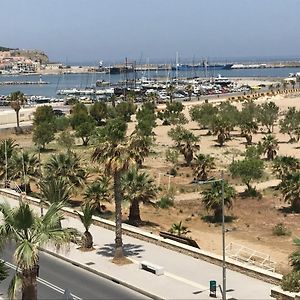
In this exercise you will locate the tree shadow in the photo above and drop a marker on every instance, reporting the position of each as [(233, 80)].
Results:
[(142, 223), (108, 250), (211, 219), (288, 210)]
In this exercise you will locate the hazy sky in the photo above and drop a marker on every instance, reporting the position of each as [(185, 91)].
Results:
[(90, 30)]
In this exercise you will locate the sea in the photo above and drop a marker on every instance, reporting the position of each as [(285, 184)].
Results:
[(87, 80)]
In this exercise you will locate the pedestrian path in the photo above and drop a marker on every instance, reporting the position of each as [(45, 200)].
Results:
[(184, 277)]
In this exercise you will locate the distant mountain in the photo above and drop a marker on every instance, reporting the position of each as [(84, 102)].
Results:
[(6, 49)]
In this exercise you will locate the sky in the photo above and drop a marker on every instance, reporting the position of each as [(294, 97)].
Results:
[(152, 30)]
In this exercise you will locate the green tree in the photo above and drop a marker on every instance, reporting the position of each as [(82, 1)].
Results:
[(43, 134), (30, 232), (55, 190), (283, 165), (99, 112), (212, 198), (185, 141), (125, 110), (97, 192), (203, 115), (173, 114), (172, 156), (85, 130), (17, 100), (268, 115), (270, 146), (146, 118), (138, 187), (290, 124), (170, 91), (66, 140), (44, 114), (189, 89), (247, 170), (25, 166), (79, 115), (114, 154), (86, 218), (290, 188), (67, 166), (202, 165), (8, 147)]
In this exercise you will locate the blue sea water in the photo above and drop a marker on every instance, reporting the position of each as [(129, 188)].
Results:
[(64, 81)]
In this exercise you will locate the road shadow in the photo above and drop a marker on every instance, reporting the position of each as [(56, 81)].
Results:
[(108, 250)]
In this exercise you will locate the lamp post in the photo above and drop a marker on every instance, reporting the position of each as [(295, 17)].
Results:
[(40, 174), (24, 173), (223, 290)]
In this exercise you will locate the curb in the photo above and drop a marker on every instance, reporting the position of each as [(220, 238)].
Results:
[(101, 274)]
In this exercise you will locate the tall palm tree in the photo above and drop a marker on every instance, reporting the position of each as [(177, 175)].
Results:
[(30, 232), (290, 188), (203, 164), (86, 218), (212, 198), (17, 100), (138, 187), (115, 155), (25, 166), (55, 190), (270, 146), (69, 167), (97, 192)]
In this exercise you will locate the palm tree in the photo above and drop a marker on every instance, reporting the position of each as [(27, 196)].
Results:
[(179, 229), (170, 91), (270, 146), (290, 188), (114, 153), (86, 217), (203, 164), (3, 271), (17, 100), (8, 148), (283, 165), (55, 190), (97, 192), (30, 232), (140, 146), (189, 89), (25, 166), (248, 128), (137, 188), (212, 198), (68, 166), (295, 256)]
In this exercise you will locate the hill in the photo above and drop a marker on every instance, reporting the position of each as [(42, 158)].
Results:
[(5, 49)]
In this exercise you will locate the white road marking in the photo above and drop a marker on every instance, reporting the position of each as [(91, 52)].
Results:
[(46, 283)]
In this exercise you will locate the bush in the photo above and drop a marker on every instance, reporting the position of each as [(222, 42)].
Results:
[(280, 230), (291, 282), (166, 201), (173, 171)]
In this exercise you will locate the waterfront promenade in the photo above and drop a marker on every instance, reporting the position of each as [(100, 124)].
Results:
[(184, 277)]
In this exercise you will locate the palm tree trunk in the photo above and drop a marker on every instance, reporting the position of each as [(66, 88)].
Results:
[(87, 240), (118, 217), (218, 214), (134, 213), (18, 120), (29, 283)]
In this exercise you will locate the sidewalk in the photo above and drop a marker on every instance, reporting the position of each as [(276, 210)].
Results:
[(184, 277)]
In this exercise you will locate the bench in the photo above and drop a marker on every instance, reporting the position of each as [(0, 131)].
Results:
[(150, 267)]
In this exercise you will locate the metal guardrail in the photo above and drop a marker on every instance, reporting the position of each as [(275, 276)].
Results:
[(250, 256)]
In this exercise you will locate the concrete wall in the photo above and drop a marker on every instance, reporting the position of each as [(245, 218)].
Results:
[(9, 116)]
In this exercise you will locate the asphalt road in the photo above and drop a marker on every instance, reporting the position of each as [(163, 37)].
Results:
[(58, 277)]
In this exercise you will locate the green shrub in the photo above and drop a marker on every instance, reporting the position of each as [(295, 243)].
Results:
[(173, 171), (280, 230), (291, 282), (166, 201)]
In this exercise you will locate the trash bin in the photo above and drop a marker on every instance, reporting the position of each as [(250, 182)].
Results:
[(213, 289)]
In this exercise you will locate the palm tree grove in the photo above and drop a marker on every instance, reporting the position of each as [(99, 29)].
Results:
[(159, 168)]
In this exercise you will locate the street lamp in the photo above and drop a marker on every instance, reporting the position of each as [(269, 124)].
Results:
[(24, 172), (223, 290), (40, 176)]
